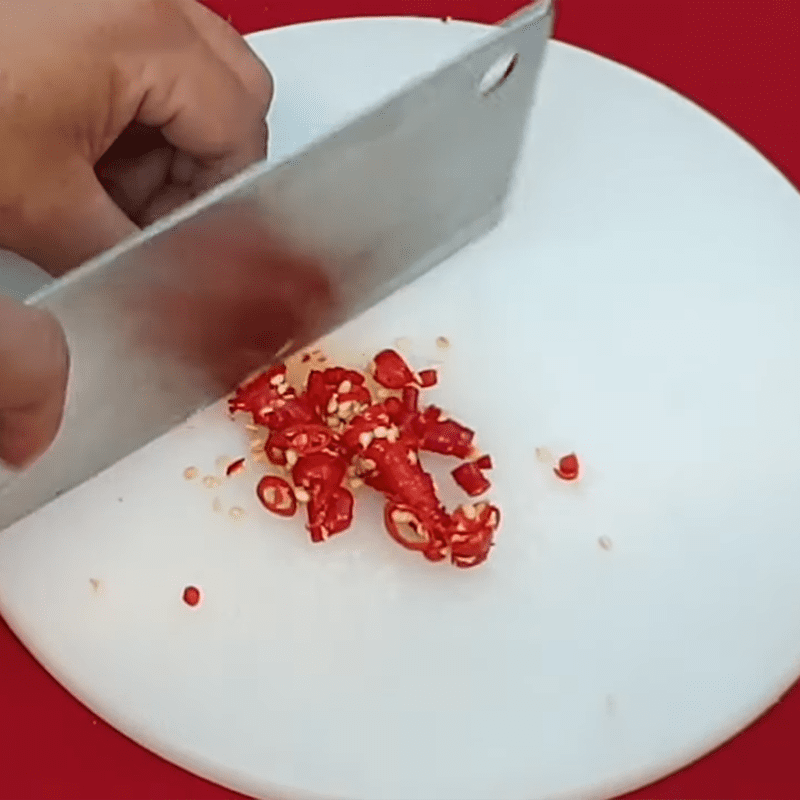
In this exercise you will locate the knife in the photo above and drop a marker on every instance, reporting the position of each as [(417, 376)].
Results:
[(173, 318)]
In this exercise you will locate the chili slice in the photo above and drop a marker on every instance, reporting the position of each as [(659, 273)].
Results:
[(330, 513), (277, 496), (568, 467), (470, 478), (391, 370), (427, 378), (235, 467)]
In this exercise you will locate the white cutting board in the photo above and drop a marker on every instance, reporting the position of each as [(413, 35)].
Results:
[(638, 305)]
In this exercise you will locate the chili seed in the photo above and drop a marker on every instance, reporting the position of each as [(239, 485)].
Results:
[(302, 495), (190, 473), (211, 482), (443, 342), (237, 513)]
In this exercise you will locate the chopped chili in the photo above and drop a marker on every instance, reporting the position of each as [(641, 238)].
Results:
[(191, 596), (471, 479), (391, 370), (330, 434), (428, 378), (568, 467), (235, 467), (277, 496)]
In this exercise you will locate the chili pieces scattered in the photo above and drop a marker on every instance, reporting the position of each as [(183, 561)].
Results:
[(331, 436)]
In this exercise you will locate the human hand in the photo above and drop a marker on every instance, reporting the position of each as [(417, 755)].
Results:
[(34, 364), (112, 114)]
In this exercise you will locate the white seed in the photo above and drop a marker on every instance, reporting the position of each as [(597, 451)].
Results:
[(291, 457), (443, 342), (384, 393), (253, 428), (470, 512), (333, 404), (355, 483), (237, 513), (333, 422), (412, 457), (277, 379), (493, 518), (302, 495), (211, 482), (323, 532), (380, 432), (365, 439), (368, 464), (393, 435), (345, 387), (402, 517), (605, 542), (217, 505), (190, 473), (283, 388)]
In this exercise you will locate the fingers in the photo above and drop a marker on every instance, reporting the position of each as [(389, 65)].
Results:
[(209, 98), (234, 51), (34, 365), (68, 220)]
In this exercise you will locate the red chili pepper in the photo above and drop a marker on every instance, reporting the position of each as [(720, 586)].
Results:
[(260, 392), (447, 437), (330, 513), (470, 478), (428, 378), (376, 416), (411, 398), (333, 424), (277, 496), (472, 534), (395, 516), (235, 467), (320, 473), (191, 596), (568, 468), (304, 438), (392, 371)]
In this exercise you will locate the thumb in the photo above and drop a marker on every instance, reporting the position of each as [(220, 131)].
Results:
[(68, 222), (34, 366)]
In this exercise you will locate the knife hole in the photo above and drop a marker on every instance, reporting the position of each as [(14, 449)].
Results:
[(498, 73)]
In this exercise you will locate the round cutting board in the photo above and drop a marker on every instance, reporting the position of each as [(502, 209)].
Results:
[(638, 305)]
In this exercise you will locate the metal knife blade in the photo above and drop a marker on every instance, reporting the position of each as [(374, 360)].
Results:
[(170, 320)]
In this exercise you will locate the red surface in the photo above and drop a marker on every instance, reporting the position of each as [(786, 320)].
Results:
[(739, 61)]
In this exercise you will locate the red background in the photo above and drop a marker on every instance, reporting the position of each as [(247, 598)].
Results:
[(739, 61)]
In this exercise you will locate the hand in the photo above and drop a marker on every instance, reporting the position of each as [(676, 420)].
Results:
[(113, 113), (33, 377)]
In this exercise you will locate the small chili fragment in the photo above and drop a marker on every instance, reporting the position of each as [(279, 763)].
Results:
[(235, 467), (191, 596), (568, 468), (392, 371), (447, 437), (427, 378), (484, 462), (329, 513), (470, 478), (277, 496)]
